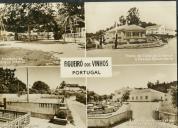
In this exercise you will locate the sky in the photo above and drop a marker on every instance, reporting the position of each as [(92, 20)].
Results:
[(102, 15), (49, 75), (132, 76)]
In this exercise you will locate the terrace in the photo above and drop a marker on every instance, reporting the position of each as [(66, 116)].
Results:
[(9, 119)]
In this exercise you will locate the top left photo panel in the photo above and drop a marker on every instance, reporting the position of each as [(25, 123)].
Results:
[(39, 34)]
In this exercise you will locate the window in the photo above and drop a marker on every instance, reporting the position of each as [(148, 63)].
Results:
[(146, 97), (140, 97), (132, 98), (136, 97), (135, 33), (128, 34)]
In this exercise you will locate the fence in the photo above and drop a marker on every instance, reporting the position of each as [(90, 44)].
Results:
[(14, 119), (74, 37)]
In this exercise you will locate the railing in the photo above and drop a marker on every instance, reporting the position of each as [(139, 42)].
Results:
[(74, 35), (14, 119)]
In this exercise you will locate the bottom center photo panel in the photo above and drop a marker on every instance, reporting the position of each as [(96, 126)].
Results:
[(141, 96), (44, 99)]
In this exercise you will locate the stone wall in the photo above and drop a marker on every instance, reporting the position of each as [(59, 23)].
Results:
[(40, 110), (108, 120)]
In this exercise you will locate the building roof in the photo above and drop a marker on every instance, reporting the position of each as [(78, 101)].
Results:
[(144, 90), (127, 28), (131, 28), (154, 26)]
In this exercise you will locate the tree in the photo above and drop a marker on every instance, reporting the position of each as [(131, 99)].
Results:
[(13, 18), (145, 24), (81, 98), (150, 84), (25, 17), (72, 15), (133, 16), (41, 87), (122, 20), (125, 96), (9, 83), (174, 97), (62, 85)]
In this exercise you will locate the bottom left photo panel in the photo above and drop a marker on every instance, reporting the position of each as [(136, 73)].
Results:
[(37, 97)]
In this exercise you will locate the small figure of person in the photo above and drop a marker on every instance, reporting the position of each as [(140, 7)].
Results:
[(101, 41), (97, 43), (116, 43)]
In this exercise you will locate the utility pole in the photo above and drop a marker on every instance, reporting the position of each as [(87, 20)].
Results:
[(27, 87)]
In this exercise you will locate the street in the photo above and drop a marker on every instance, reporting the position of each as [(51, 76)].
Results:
[(142, 117), (78, 112), (37, 53)]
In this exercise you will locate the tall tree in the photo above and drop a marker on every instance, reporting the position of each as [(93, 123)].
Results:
[(72, 15), (62, 85), (133, 16), (41, 87), (25, 17), (174, 97), (9, 83), (125, 96), (122, 20)]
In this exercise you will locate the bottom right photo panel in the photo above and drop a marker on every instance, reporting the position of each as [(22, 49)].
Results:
[(141, 96)]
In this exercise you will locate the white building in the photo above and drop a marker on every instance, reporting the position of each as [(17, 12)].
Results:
[(146, 94), (127, 34), (160, 30), (72, 88)]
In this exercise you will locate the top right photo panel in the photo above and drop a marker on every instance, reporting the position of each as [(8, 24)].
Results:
[(132, 32)]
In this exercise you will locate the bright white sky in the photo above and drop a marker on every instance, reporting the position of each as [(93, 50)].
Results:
[(49, 75), (101, 15), (132, 76)]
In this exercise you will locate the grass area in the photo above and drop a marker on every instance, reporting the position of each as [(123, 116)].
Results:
[(24, 57)]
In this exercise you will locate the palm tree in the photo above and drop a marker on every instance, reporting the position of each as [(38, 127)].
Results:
[(72, 16)]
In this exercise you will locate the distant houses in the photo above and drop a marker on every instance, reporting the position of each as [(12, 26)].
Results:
[(134, 34), (71, 88), (160, 30)]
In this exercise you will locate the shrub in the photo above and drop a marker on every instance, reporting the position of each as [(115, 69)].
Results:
[(61, 114), (81, 98)]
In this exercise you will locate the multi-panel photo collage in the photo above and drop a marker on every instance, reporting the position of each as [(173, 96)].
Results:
[(139, 36)]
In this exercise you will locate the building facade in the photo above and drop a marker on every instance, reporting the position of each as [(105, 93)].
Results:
[(146, 95), (126, 34)]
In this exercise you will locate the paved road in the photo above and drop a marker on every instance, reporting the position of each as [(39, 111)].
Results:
[(78, 112), (143, 110), (145, 124), (165, 54), (142, 115), (58, 50)]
